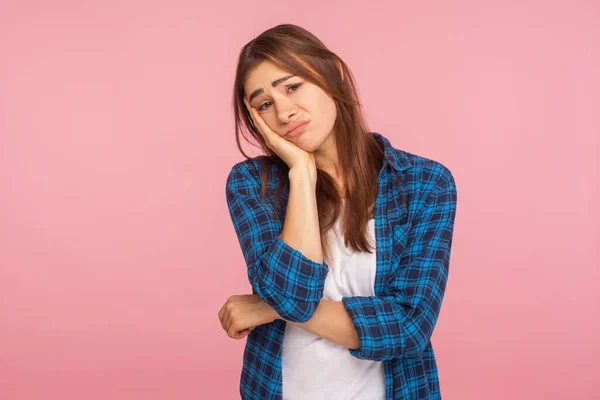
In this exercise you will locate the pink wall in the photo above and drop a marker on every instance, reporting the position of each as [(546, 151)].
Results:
[(116, 137)]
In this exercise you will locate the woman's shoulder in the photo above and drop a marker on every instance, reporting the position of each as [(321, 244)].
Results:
[(411, 166), (420, 177), (423, 168), (422, 180)]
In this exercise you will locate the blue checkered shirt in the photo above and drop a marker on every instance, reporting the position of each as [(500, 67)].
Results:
[(414, 222)]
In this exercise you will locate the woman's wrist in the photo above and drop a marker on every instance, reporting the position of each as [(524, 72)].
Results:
[(302, 171), (270, 314)]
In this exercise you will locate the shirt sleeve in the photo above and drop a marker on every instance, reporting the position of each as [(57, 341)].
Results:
[(282, 276), (400, 325)]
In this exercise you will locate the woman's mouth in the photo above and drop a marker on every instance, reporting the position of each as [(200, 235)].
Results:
[(297, 130)]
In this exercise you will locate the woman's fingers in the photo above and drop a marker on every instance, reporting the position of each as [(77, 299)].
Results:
[(221, 312), (226, 320), (260, 124), (267, 133)]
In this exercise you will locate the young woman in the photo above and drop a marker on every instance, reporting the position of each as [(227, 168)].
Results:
[(346, 238)]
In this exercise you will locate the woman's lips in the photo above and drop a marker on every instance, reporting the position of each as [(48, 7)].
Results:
[(297, 130)]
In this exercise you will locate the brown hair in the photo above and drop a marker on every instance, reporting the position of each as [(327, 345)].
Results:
[(298, 51)]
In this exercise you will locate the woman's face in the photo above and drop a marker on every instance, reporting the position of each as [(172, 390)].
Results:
[(291, 100)]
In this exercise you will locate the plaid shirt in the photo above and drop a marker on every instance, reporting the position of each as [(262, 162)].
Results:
[(413, 228)]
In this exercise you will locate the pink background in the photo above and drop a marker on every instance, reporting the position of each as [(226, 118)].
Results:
[(116, 137)]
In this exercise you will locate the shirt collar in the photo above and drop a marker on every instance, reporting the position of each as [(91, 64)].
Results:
[(396, 158)]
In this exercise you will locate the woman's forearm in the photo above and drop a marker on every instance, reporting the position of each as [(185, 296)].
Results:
[(301, 226), (332, 322)]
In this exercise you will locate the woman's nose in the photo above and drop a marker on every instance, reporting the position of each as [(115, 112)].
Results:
[(286, 110)]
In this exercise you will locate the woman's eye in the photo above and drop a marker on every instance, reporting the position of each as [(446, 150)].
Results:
[(261, 107), (295, 87)]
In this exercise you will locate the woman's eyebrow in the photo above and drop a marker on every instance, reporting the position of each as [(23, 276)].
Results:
[(274, 84)]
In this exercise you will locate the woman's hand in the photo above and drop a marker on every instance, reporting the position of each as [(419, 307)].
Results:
[(242, 313), (287, 150)]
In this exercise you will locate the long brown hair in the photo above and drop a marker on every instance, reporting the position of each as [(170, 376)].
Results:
[(298, 51)]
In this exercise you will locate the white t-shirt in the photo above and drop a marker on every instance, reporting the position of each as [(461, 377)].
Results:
[(315, 368)]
